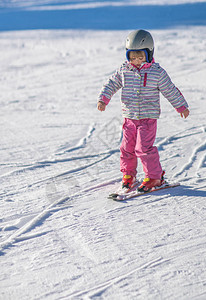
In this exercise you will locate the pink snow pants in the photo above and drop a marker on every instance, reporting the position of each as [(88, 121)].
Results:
[(137, 142)]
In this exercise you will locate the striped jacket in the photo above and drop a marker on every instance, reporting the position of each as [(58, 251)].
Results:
[(141, 89)]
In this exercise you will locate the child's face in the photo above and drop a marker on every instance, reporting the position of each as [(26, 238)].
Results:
[(137, 58)]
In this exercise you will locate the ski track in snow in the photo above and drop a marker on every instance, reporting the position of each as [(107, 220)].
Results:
[(98, 290), (200, 148), (195, 151), (56, 220), (26, 223)]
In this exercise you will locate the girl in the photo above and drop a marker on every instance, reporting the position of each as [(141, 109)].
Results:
[(141, 81)]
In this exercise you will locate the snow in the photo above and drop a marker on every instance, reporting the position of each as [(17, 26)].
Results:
[(115, 15), (60, 237)]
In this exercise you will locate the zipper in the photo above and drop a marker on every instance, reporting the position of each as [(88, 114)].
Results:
[(145, 79)]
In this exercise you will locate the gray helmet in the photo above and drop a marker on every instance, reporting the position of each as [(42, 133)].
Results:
[(140, 40)]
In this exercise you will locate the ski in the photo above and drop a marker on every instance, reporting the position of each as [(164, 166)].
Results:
[(136, 193), (123, 191)]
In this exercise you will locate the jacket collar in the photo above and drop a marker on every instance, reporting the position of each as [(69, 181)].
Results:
[(143, 66)]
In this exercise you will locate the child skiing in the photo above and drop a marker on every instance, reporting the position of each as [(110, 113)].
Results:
[(141, 81)]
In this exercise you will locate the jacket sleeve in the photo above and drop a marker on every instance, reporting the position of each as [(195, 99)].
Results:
[(171, 92), (113, 84)]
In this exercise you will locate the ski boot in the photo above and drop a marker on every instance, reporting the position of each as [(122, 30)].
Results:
[(128, 181), (149, 183)]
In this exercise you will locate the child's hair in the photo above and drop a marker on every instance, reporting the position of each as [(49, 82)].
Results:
[(137, 52)]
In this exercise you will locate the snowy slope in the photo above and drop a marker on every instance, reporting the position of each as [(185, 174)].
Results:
[(101, 15), (60, 237)]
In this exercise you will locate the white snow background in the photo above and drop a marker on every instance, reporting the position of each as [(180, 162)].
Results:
[(61, 238)]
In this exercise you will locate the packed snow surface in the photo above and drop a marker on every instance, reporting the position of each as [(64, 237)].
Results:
[(60, 236)]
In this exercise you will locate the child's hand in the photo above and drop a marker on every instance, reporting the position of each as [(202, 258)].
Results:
[(185, 113), (101, 106)]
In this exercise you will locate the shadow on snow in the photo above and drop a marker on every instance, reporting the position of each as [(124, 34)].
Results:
[(105, 18)]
